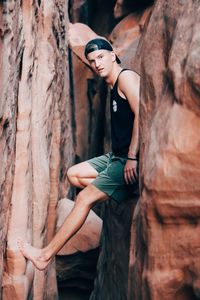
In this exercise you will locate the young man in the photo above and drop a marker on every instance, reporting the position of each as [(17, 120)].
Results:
[(113, 175)]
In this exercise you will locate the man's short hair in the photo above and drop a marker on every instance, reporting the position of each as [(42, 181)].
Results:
[(99, 44)]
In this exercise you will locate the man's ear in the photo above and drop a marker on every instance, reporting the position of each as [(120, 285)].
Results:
[(113, 56)]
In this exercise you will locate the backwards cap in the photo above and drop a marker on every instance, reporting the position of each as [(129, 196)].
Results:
[(99, 44)]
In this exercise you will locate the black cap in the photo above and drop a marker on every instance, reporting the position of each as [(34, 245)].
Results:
[(99, 44)]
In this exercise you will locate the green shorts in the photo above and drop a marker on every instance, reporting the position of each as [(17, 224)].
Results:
[(110, 179)]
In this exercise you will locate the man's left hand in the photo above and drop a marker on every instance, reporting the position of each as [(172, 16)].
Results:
[(130, 171)]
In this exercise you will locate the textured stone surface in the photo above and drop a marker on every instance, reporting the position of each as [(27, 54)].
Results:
[(170, 153), (126, 35), (36, 141), (77, 270), (76, 261), (8, 113), (111, 281), (37, 117)]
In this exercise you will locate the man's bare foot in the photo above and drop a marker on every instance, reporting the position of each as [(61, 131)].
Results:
[(37, 256)]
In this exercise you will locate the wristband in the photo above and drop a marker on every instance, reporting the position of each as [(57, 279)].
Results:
[(131, 158)]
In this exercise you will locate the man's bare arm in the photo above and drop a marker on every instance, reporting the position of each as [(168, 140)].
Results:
[(129, 87)]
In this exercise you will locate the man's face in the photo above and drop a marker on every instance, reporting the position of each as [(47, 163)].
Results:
[(101, 61), (119, 9)]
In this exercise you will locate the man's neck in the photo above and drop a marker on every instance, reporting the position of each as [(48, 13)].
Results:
[(111, 79)]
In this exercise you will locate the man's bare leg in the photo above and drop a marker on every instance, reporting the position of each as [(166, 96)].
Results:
[(74, 221), (82, 174)]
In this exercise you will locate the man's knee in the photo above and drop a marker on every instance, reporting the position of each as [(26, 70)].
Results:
[(71, 175), (89, 196), (83, 201)]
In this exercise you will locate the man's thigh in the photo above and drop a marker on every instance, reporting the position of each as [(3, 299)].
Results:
[(90, 168), (83, 170)]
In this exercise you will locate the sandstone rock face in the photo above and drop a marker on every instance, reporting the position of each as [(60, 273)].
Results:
[(170, 154), (76, 261), (111, 281), (36, 141), (8, 114), (41, 124)]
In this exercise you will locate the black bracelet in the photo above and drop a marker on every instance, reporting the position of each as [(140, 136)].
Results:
[(131, 158)]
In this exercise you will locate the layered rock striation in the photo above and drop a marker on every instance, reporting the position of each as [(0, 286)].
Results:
[(170, 154), (36, 139), (53, 112)]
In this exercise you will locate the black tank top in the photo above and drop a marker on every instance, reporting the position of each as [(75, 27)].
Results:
[(122, 119)]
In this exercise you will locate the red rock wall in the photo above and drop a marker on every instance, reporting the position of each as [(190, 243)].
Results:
[(112, 277), (44, 143), (36, 140), (170, 155), (41, 124), (8, 115)]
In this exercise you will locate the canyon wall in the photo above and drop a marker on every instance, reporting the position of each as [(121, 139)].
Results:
[(36, 137), (54, 112), (167, 255)]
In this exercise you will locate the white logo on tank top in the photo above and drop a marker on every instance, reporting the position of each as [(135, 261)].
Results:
[(114, 103)]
